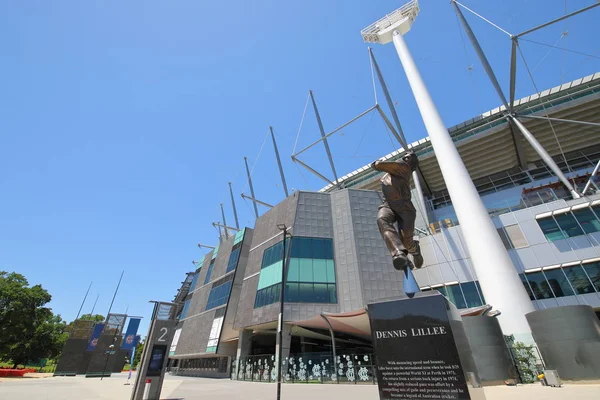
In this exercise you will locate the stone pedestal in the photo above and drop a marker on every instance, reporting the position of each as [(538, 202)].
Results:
[(421, 349)]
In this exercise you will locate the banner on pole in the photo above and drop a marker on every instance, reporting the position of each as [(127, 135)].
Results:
[(94, 338), (129, 341)]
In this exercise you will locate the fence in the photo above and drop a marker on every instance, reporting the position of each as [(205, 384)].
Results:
[(307, 368)]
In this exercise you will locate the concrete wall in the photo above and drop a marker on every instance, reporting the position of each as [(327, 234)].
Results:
[(569, 340)]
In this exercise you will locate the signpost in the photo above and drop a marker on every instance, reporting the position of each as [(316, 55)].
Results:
[(151, 371)]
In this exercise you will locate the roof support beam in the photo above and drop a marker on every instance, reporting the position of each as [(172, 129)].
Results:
[(362, 114), (545, 156), (256, 201), (322, 130), (285, 189), (513, 72), (521, 155), (416, 175), (558, 19), (570, 121), (237, 224), (224, 221), (224, 226), (400, 137), (313, 171), (480, 54), (589, 182), (251, 187)]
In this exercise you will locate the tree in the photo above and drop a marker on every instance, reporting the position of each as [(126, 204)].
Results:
[(97, 318), (28, 330), (139, 349)]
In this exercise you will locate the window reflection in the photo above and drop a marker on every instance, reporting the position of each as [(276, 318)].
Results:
[(593, 271), (558, 282), (570, 224)]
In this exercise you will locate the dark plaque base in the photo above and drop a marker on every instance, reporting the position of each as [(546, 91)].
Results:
[(421, 349)]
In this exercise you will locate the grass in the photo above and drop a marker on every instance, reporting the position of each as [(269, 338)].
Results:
[(48, 368)]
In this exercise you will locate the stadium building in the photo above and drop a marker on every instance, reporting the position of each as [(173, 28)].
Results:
[(337, 262)]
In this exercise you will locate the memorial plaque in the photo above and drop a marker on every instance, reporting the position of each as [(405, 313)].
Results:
[(421, 349)]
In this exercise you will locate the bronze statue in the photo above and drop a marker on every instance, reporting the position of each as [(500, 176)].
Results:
[(398, 208)]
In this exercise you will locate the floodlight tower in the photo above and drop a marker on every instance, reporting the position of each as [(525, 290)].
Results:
[(499, 280)]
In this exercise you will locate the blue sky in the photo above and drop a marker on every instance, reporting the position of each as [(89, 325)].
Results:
[(122, 122)]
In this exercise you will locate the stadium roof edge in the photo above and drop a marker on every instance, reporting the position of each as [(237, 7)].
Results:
[(482, 122)]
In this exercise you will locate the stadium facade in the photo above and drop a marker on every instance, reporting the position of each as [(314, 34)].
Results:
[(337, 262)]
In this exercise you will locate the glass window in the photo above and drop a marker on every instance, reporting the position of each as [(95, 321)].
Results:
[(273, 254), (233, 259), (471, 294), (319, 270), (306, 270), (305, 292), (321, 295), (330, 271), (441, 289), (568, 224), (332, 293), (186, 306), (578, 279), (194, 281), (293, 273), (218, 295), (593, 271), (455, 296), (209, 272), (301, 247), (550, 229), (527, 288), (539, 285), (587, 219), (318, 248), (558, 282), (516, 236), (267, 296), (291, 292)]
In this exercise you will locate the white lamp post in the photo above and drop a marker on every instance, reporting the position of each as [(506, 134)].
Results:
[(499, 280)]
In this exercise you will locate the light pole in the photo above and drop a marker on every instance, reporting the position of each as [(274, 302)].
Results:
[(499, 280), (283, 229)]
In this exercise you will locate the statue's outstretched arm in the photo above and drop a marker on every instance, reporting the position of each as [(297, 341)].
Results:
[(393, 167)]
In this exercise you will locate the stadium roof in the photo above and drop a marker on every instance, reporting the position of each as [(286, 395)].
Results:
[(489, 145)]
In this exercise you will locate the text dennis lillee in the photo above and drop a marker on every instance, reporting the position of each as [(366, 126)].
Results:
[(401, 333)]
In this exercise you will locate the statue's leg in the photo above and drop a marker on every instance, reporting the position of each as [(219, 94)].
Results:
[(406, 225), (386, 220)]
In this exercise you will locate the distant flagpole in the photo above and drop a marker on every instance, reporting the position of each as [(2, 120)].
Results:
[(115, 295), (83, 302), (107, 322), (94, 306)]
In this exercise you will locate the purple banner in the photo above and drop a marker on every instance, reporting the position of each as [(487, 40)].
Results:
[(95, 335), (129, 341)]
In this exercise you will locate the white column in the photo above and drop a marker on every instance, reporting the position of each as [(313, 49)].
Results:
[(498, 277)]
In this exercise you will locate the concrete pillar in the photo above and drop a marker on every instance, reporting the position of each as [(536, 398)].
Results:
[(496, 273), (244, 348)]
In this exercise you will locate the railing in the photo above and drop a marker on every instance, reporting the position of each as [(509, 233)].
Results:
[(531, 199), (307, 368)]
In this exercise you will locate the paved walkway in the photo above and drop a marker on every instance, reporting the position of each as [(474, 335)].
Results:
[(182, 388)]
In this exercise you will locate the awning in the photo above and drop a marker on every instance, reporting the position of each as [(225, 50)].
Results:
[(357, 322)]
